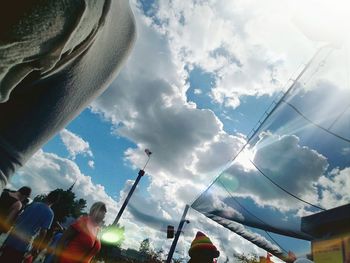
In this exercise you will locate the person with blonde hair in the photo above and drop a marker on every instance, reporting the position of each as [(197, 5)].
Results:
[(79, 242)]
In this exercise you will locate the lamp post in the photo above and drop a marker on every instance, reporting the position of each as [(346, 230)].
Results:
[(140, 174), (177, 235)]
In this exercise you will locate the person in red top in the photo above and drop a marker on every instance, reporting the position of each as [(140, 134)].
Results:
[(79, 242)]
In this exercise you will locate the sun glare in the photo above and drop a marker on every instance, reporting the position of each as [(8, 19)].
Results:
[(245, 158), (112, 234), (110, 237), (324, 20)]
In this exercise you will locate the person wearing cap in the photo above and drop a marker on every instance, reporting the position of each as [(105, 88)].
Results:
[(202, 250), (11, 203)]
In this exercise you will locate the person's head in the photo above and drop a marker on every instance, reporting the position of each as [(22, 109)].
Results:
[(202, 249), (52, 198), (97, 212), (24, 193)]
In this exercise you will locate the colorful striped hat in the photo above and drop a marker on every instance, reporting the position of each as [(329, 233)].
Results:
[(201, 246)]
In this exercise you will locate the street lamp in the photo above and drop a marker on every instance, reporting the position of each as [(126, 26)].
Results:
[(177, 235), (140, 174)]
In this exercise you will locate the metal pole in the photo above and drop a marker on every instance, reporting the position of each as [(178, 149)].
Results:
[(177, 235), (141, 173)]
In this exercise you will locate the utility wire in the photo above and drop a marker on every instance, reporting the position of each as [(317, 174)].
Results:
[(250, 213), (315, 124), (261, 123), (284, 190), (347, 85), (338, 117), (267, 233)]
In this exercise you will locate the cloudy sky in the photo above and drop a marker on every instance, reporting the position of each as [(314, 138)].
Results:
[(200, 76)]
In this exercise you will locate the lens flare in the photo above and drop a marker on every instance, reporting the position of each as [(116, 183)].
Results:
[(112, 235)]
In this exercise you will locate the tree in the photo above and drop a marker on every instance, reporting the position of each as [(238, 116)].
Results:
[(145, 246), (108, 252), (78, 208), (110, 246), (151, 255), (155, 256), (67, 206), (178, 260), (246, 258)]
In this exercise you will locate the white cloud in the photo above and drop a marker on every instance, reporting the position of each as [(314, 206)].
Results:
[(149, 107), (91, 164), (237, 41), (293, 167), (146, 217), (75, 145), (335, 188), (147, 104), (346, 151), (197, 91), (251, 47), (45, 172)]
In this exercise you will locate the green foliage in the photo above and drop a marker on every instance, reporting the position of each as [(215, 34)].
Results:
[(145, 246), (154, 256), (246, 258), (113, 254), (78, 207), (67, 206), (107, 252), (110, 249), (151, 255), (178, 260)]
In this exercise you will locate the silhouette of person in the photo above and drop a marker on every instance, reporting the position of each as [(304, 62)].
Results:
[(202, 250), (33, 222), (11, 203)]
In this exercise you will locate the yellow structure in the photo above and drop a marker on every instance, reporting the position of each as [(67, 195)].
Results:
[(335, 250)]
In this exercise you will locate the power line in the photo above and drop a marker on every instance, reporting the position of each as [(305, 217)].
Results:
[(259, 219), (267, 233), (284, 190), (268, 114), (338, 117), (315, 124)]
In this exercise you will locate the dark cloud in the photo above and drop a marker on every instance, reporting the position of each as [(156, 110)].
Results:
[(289, 164), (154, 221), (294, 167)]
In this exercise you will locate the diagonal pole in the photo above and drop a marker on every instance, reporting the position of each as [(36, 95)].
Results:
[(177, 235), (140, 174)]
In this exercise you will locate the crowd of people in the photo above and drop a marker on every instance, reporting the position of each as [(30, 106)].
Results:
[(27, 227), (30, 230)]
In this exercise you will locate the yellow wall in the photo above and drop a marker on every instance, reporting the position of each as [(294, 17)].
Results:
[(334, 250)]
